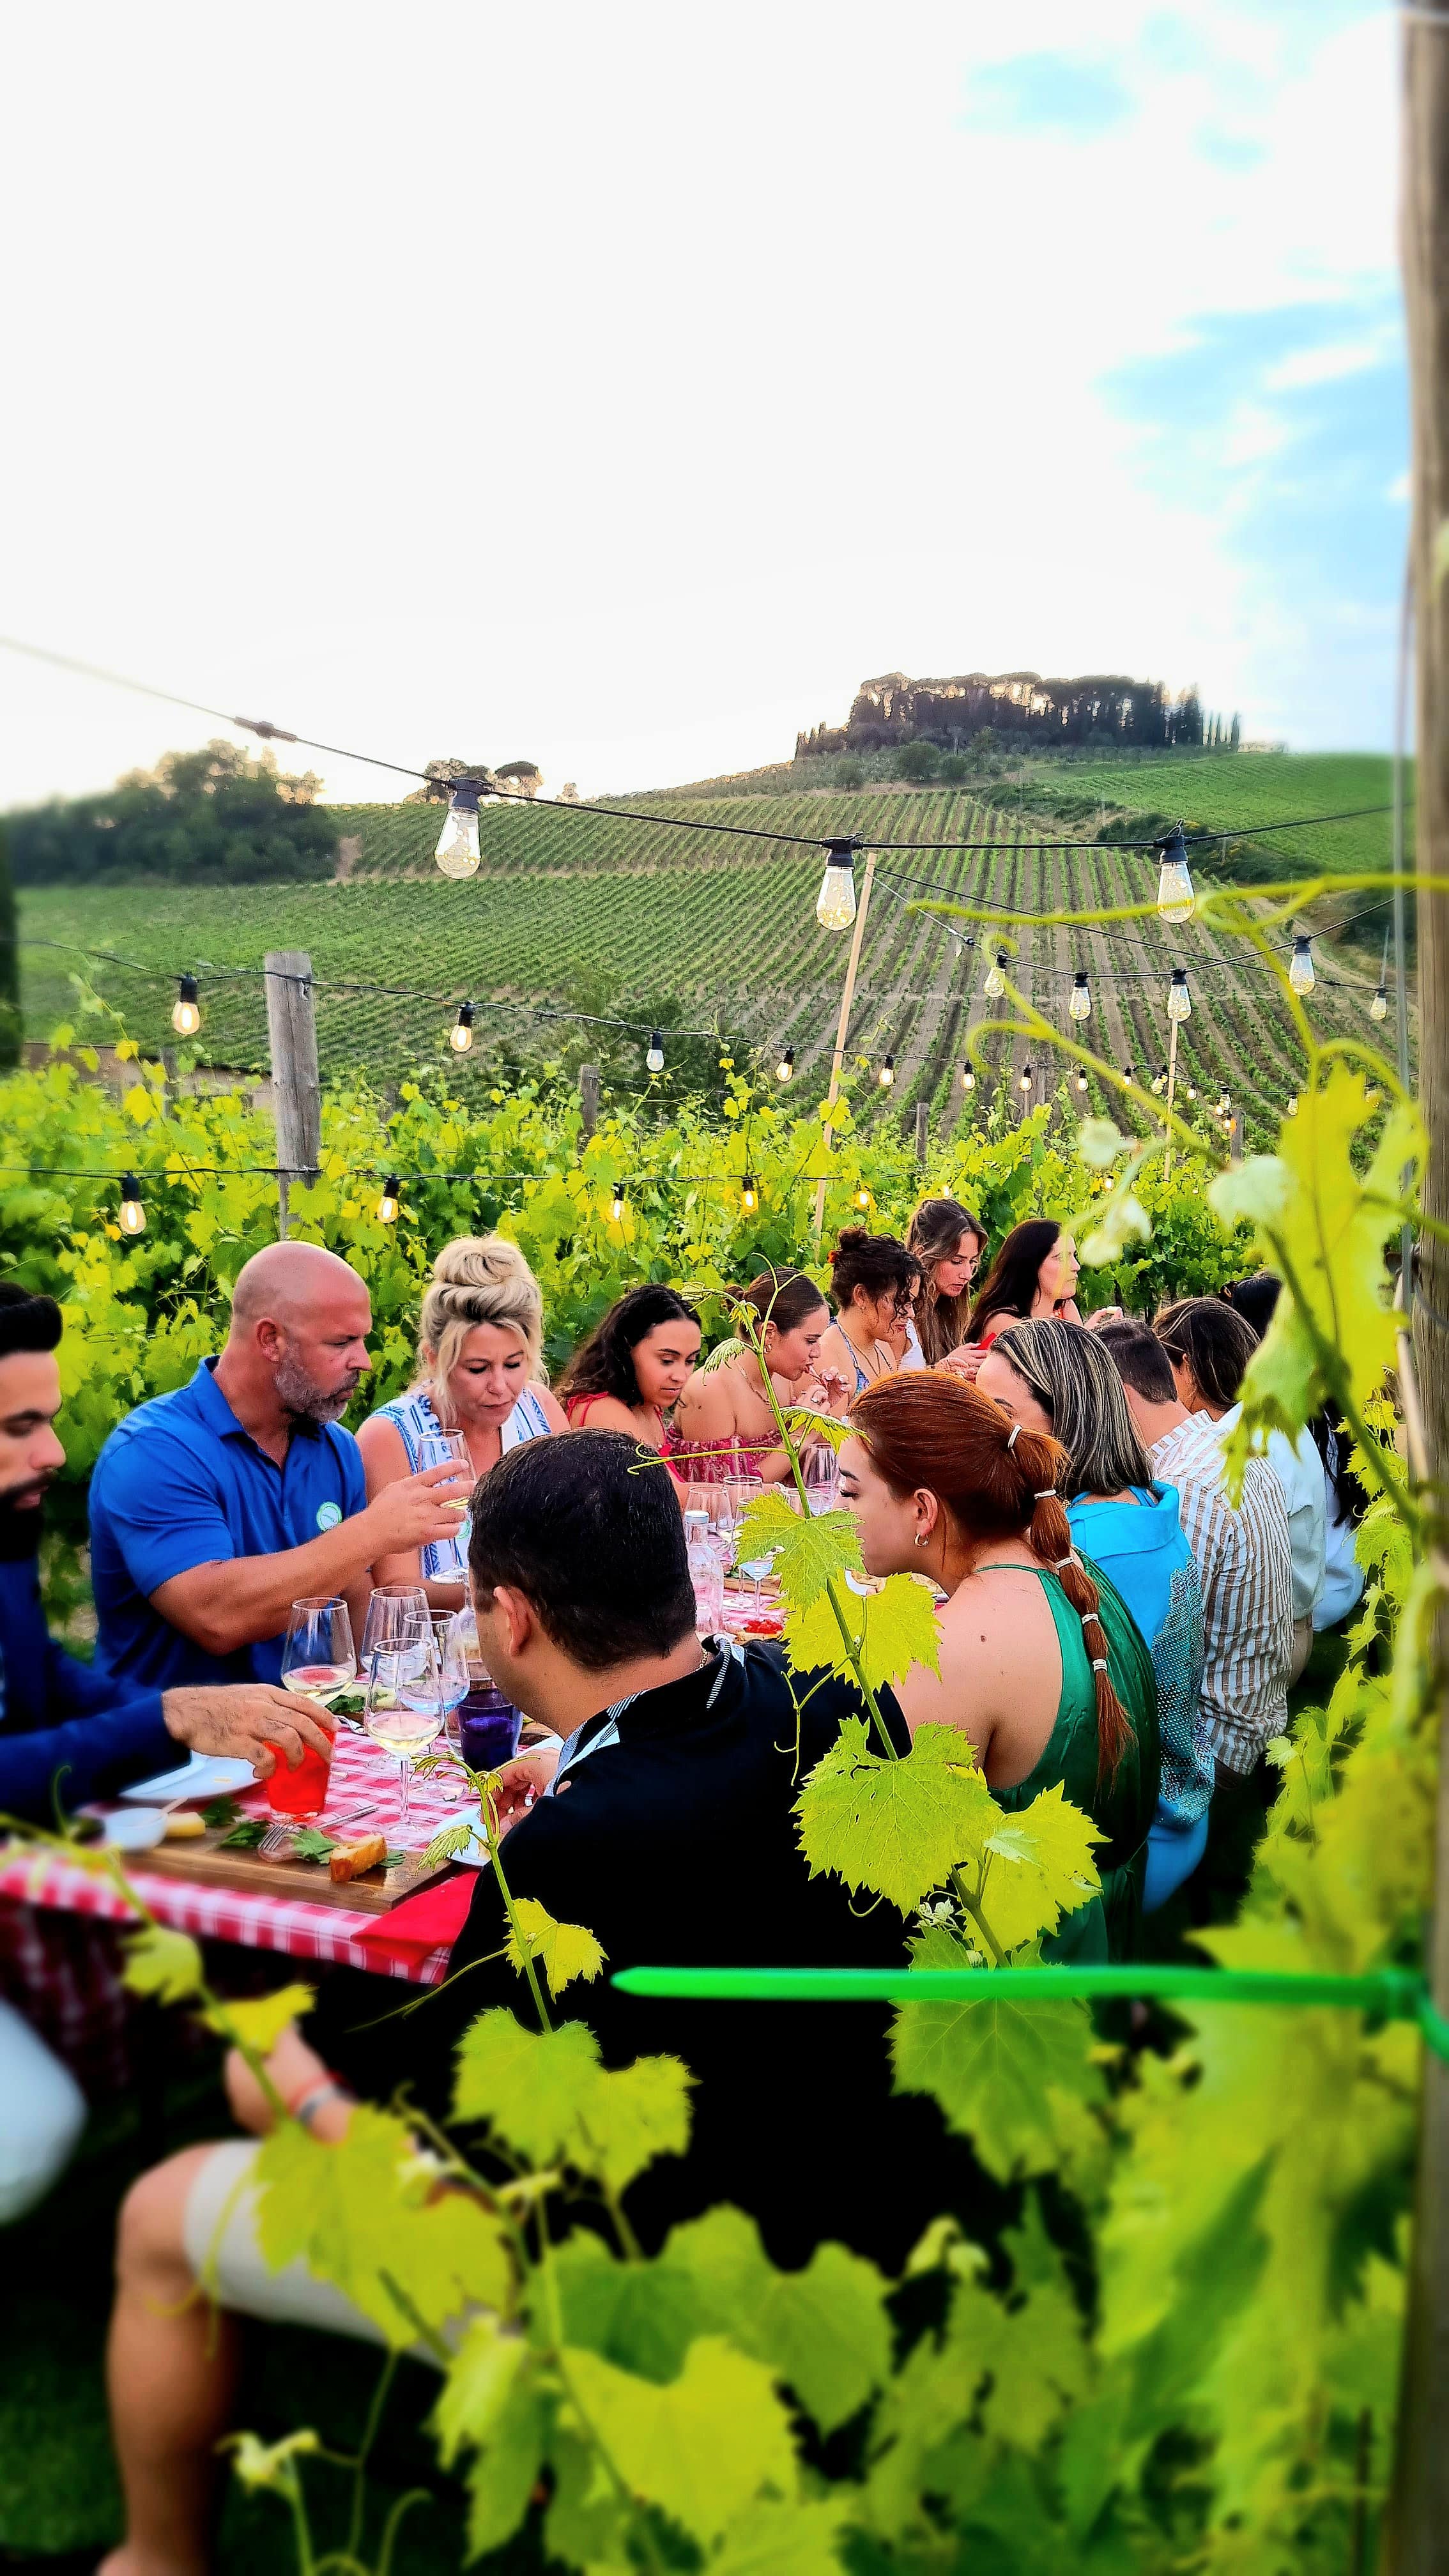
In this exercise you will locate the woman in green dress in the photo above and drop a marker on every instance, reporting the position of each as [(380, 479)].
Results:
[(1041, 1665)]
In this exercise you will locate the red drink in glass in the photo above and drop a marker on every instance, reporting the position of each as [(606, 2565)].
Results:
[(302, 1792)]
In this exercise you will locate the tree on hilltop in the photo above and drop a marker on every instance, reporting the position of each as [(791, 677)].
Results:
[(521, 777)]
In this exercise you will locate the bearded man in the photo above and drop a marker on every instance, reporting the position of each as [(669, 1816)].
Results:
[(214, 1508)]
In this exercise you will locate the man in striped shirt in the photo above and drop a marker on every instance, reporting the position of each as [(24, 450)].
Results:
[(1245, 1564)]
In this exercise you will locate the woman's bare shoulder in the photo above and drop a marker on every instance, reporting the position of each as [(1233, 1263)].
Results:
[(606, 1413)]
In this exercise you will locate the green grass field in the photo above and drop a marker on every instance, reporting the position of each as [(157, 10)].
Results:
[(625, 914)]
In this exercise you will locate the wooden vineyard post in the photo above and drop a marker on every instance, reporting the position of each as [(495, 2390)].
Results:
[(843, 1030), (588, 1098), (1171, 1095), (1417, 2532), (296, 1089), (923, 1128)]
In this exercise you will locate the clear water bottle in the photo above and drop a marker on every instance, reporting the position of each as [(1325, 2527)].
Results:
[(705, 1572)]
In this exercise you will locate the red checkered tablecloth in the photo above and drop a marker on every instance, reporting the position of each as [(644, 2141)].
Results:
[(363, 1776)]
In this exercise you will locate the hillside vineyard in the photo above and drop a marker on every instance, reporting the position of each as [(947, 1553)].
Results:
[(568, 902)]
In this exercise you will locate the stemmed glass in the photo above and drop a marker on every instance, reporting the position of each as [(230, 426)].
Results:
[(404, 1706), (450, 1645), (743, 1490), (449, 1449), (392, 1609), (822, 1477), (318, 1657)]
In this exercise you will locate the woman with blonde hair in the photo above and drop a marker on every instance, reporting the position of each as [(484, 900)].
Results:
[(481, 1372)]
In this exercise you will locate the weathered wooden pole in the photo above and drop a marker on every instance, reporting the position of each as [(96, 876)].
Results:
[(923, 1129), (1417, 2534), (296, 1088), (843, 1029), (588, 1098)]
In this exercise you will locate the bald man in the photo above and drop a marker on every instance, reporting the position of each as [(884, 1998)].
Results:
[(215, 1508)]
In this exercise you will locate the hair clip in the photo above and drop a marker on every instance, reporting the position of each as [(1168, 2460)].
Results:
[(1048, 1494), (1090, 1619), (1099, 1663), (1069, 1559), (1011, 1435)]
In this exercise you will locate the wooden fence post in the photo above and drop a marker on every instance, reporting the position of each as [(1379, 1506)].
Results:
[(588, 1098), (1418, 2514), (923, 1128), (296, 1088), (843, 1029)]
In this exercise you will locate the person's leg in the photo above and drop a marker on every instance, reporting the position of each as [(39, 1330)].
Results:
[(42, 2113), (171, 2373)]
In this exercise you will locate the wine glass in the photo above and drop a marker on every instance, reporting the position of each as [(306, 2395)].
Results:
[(389, 1611), (450, 1645), (822, 1477), (450, 1449), (318, 1657), (403, 1711)]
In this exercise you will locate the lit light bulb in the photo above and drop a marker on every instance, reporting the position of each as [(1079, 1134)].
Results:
[(749, 1194), (1175, 898), (1081, 1080), (185, 1014), (618, 1203), (654, 1053), (1127, 1073), (887, 1073), (785, 1069), (460, 1035), (1192, 1091), (835, 903), (1026, 1077), (132, 1219), (995, 984), (1080, 1005), (1224, 1105), (862, 1196), (1300, 970), (1379, 1006), (1292, 1104), (968, 1078), (1159, 1082), (387, 1204), (1179, 999), (457, 853)]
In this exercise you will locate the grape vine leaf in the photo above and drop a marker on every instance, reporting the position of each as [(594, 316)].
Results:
[(703, 2447), (491, 2404), (1038, 1867), (806, 1424), (809, 1547), (480, 2375), (162, 1963), (823, 2330), (566, 1950), (364, 2213), (259, 2025), (547, 2094), (891, 1630), (994, 2064), (895, 1826), (770, 2539), (642, 2316)]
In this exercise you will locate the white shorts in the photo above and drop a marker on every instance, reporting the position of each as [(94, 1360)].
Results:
[(219, 2231)]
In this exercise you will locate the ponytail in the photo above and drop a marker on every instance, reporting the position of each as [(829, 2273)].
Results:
[(996, 1480)]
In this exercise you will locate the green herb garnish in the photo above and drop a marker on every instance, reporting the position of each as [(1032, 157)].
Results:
[(220, 1811), (309, 1844), (245, 1836)]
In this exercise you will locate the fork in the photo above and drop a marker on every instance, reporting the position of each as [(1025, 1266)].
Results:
[(277, 1838)]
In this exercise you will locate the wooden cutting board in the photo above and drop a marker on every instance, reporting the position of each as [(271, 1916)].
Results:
[(207, 1864)]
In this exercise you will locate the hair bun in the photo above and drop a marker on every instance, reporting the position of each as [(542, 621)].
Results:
[(849, 1239), (480, 1261)]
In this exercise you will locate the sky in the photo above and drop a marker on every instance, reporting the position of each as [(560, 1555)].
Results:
[(617, 389)]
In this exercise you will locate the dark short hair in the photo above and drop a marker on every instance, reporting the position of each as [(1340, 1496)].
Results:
[(1254, 1298), (27, 1322), (589, 1530), (1139, 1359), (1215, 1342)]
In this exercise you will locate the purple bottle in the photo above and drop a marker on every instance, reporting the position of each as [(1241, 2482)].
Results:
[(488, 1728)]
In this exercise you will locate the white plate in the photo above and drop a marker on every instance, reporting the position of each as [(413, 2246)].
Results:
[(205, 1775), (139, 1829)]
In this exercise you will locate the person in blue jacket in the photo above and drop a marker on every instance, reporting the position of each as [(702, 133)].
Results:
[(1055, 1377), (68, 1734)]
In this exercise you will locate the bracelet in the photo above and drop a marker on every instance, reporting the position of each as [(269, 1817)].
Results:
[(310, 2101)]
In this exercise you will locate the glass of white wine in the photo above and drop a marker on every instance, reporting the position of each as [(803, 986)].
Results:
[(450, 1449), (403, 1710), (318, 1656)]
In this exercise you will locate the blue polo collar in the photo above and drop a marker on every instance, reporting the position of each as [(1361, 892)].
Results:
[(215, 1411)]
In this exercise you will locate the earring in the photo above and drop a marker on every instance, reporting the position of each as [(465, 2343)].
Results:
[(921, 1537)]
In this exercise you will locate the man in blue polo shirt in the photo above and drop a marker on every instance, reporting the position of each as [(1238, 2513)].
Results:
[(215, 1508)]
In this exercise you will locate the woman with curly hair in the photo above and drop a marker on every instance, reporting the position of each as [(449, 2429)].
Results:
[(631, 1371)]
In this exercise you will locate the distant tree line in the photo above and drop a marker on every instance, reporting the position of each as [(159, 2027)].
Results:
[(511, 778), (198, 817), (1017, 709)]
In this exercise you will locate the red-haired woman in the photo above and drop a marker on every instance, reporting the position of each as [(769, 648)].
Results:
[(1041, 1665)]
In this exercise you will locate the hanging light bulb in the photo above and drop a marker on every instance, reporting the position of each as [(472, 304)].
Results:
[(1081, 1079), (618, 1203), (1127, 1073), (995, 984), (1080, 1005), (785, 1069), (1159, 1081), (749, 1194), (185, 1014), (887, 1073), (132, 1218), (1300, 970), (387, 1204), (1224, 1105), (835, 903), (1179, 999), (457, 853), (968, 1077), (1379, 1006), (1175, 898), (654, 1053), (460, 1035), (1026, 1077), (862, 1196), (1192, 1091), (1292, 1104)]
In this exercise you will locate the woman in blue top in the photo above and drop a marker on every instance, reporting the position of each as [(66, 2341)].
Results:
[(1054, 1377), (480, 1356)]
